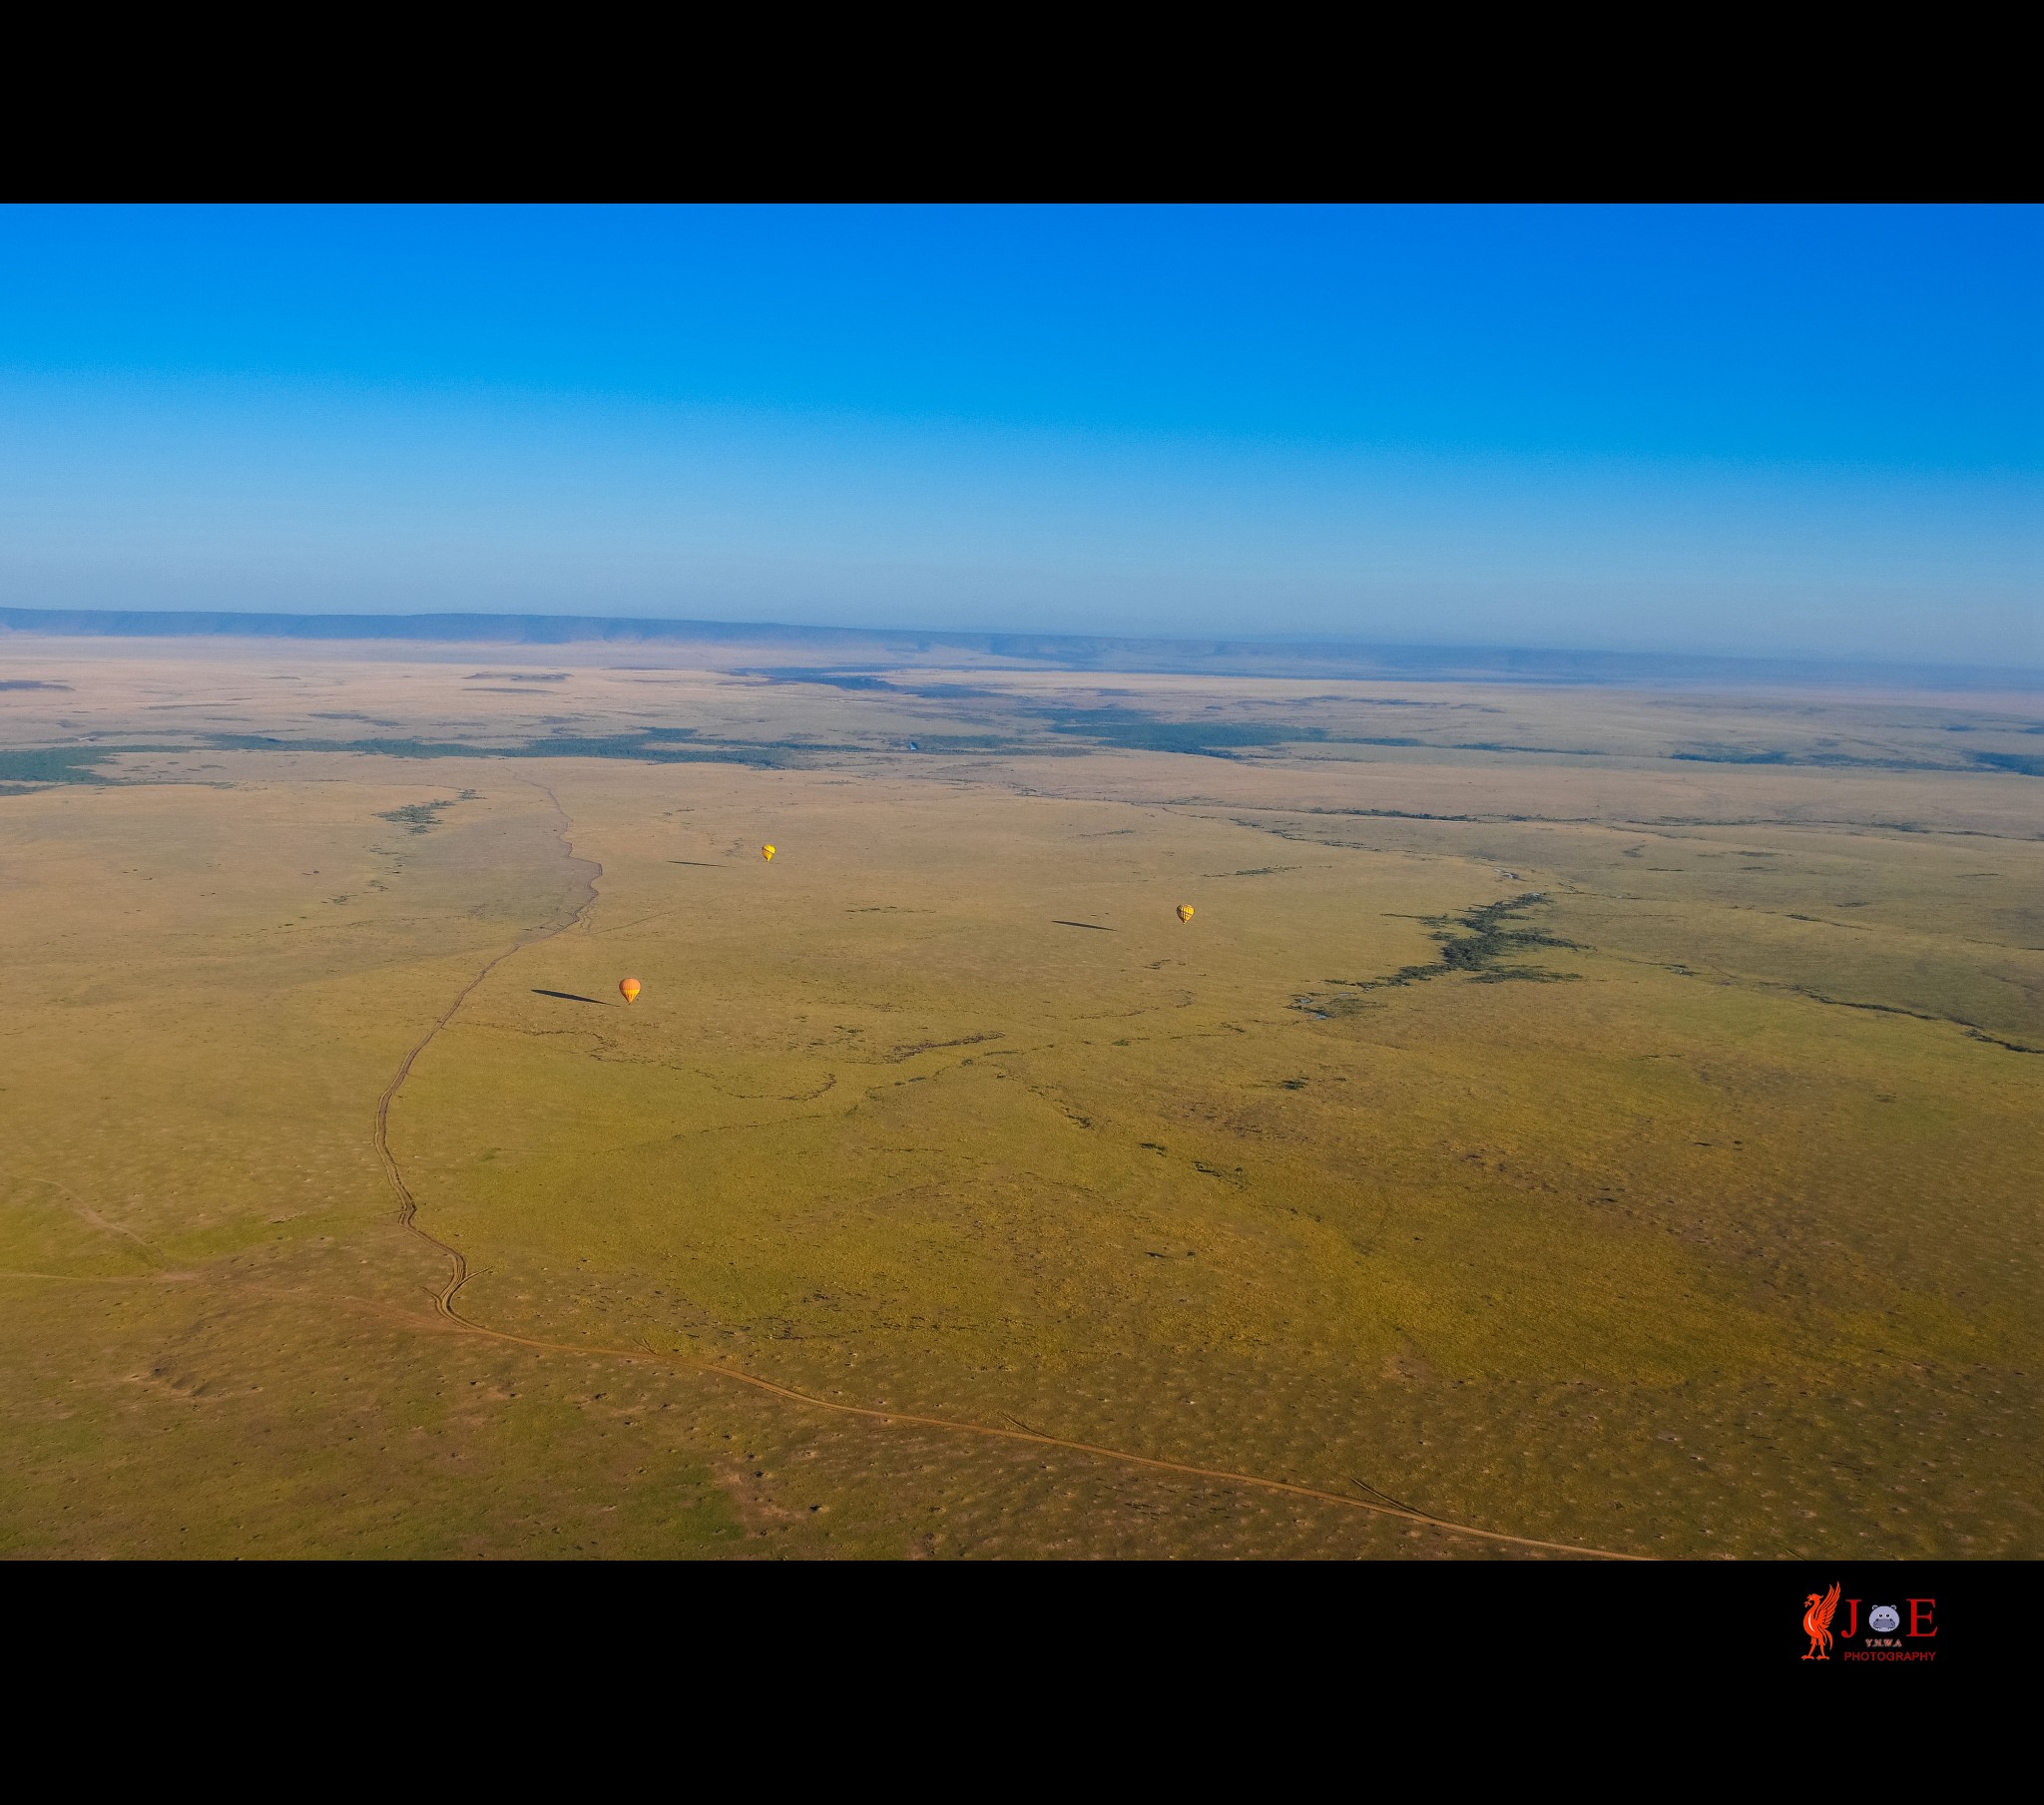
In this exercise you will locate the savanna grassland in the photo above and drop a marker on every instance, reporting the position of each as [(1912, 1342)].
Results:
[(1573, 1118)]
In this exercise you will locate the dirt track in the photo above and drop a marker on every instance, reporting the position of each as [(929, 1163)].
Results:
[(458, 1274)]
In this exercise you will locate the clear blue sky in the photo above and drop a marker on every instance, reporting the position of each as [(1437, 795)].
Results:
[(1757, 430)]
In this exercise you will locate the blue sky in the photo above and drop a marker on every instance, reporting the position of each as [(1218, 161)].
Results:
[(1764, 430)]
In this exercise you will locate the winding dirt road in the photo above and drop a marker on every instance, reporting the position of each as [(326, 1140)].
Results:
[(458, 1275)]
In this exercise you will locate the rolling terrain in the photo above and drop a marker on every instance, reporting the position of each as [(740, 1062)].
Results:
[(1576, 1120)]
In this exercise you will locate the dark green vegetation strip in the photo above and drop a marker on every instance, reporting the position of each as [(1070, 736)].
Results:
[(51, 765), (1484, 941), (1974, 1030), (980, 744), (664, 748), (65, 763), (1134, 731), (1818, 761), (419, 816), (1471, 945), (829, 679), (74, 764)]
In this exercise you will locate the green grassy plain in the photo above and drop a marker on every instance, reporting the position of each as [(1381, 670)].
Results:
[(1596, 1116)]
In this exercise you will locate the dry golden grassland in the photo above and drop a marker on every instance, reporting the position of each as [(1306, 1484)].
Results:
[(1592, 1117)]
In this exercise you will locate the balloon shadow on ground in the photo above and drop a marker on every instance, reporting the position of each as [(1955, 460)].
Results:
[(1094, 925), (568, 996)]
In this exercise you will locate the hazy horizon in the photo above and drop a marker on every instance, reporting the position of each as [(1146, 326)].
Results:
[(1772, 433), (740, 644)]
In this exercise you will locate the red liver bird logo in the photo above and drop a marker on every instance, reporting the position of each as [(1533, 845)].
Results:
[(1817, 1622)]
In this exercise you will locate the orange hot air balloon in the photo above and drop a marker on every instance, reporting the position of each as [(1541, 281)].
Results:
[(629, 990), (1184, 911), (767, 853)]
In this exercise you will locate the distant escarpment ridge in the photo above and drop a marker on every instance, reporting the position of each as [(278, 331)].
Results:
[(735, 643)]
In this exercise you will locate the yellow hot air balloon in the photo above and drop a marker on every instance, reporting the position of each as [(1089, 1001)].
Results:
[(767, 853), (1184, 911), (629, 990)]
